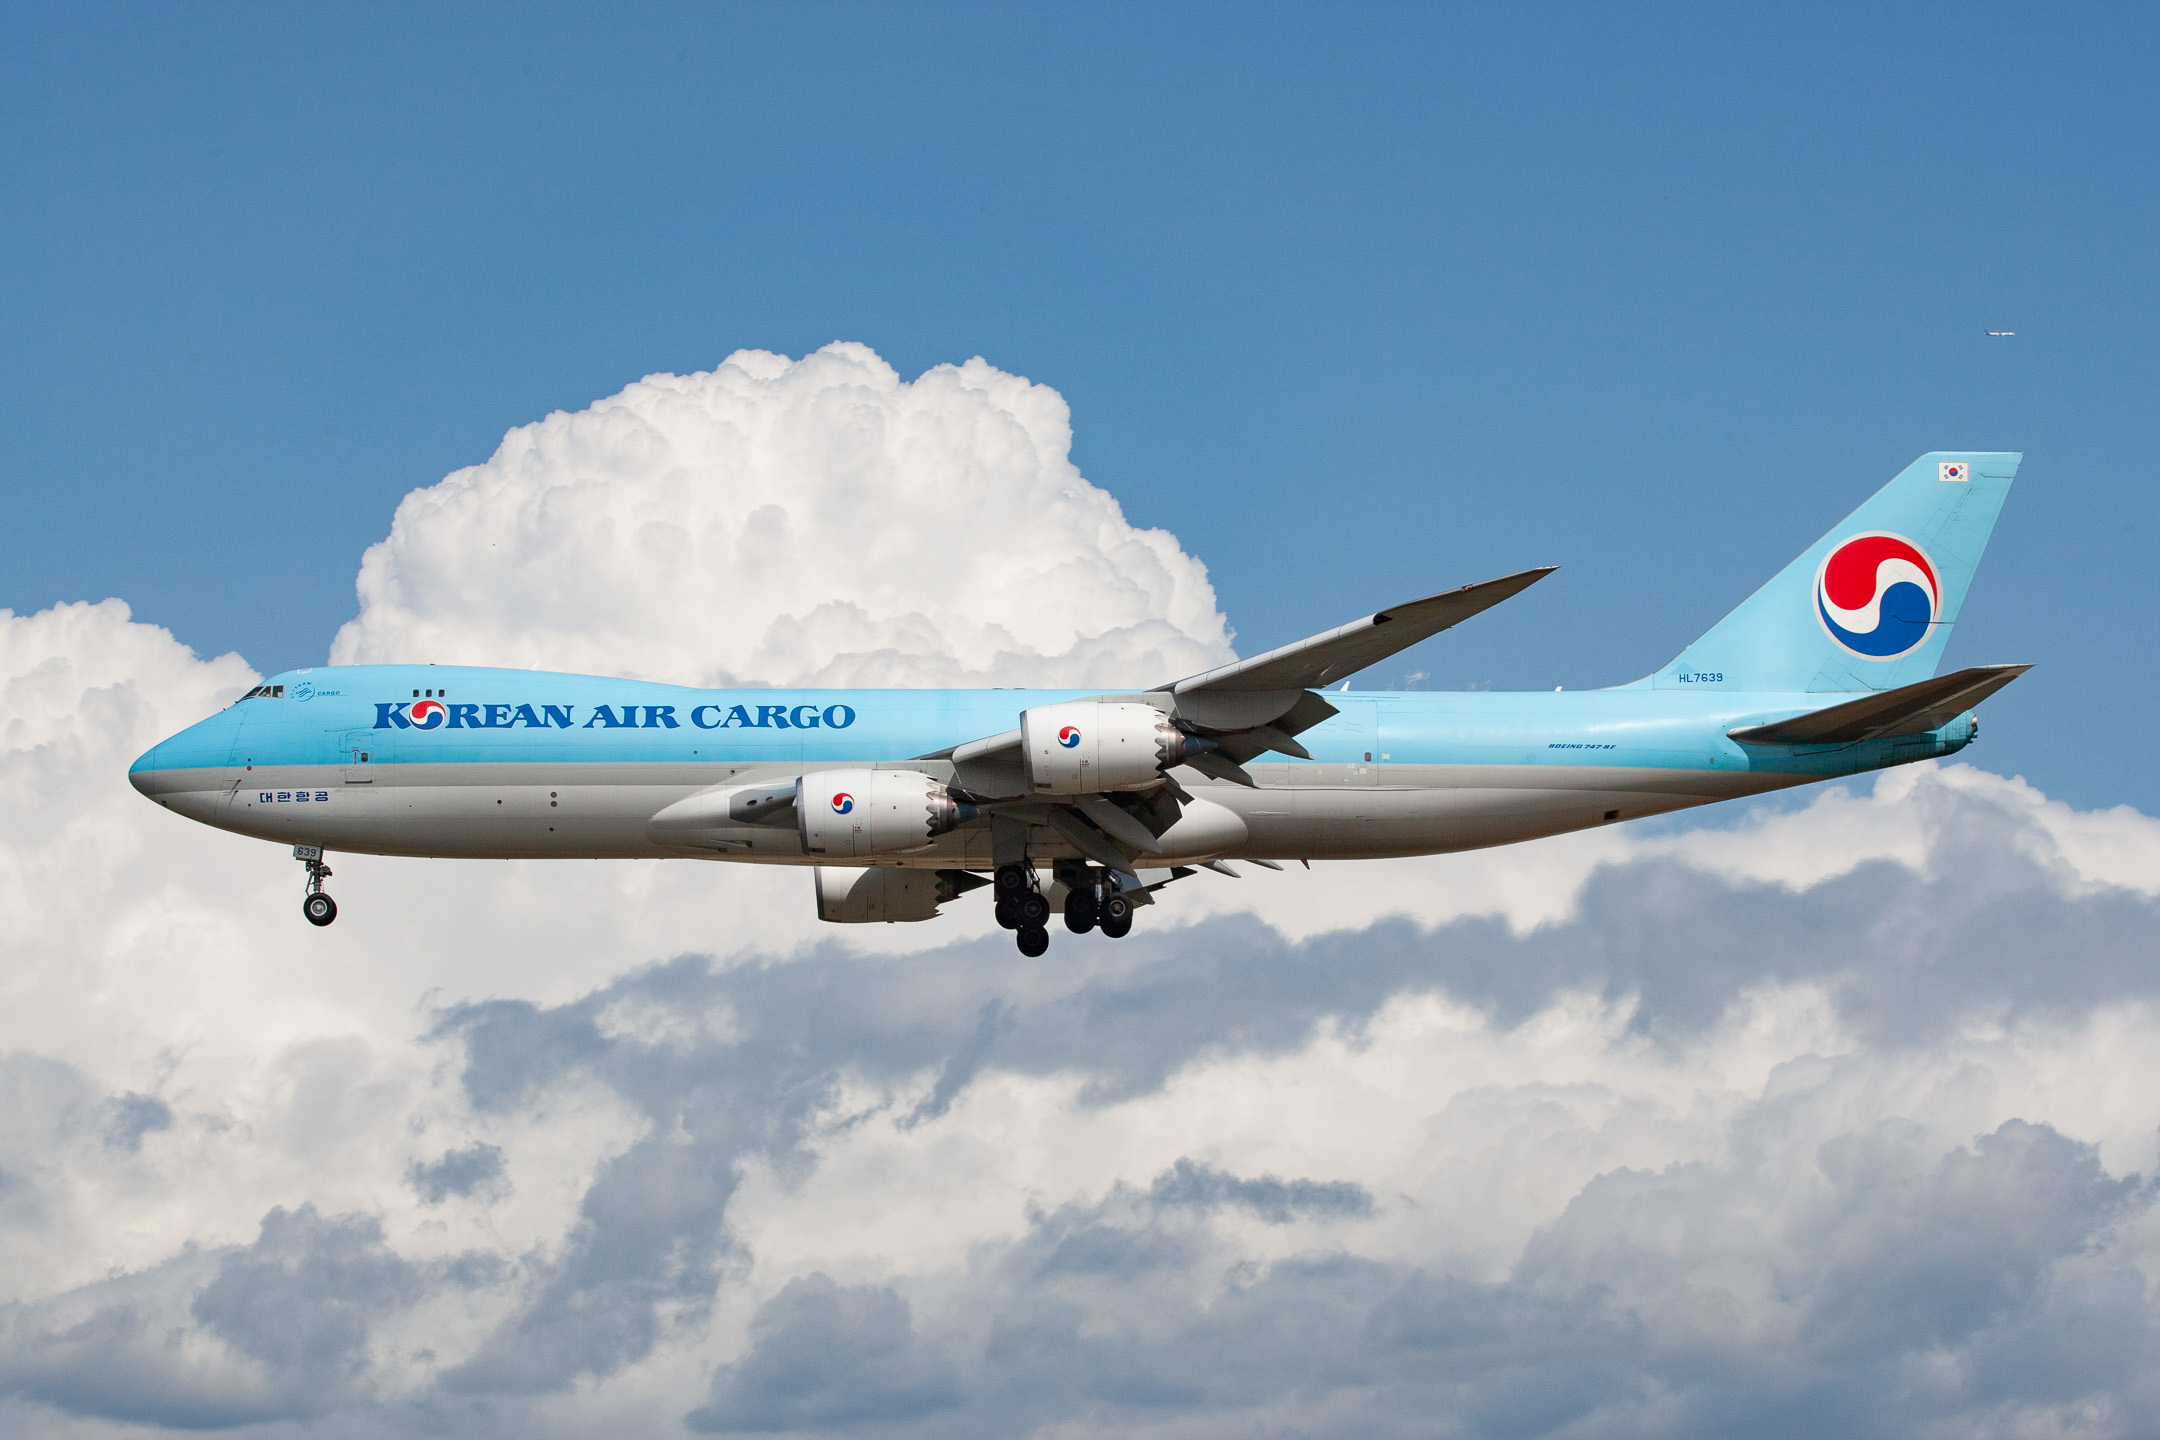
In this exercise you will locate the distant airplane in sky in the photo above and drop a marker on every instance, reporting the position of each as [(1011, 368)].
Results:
[(2001, 334), (1089, 803)]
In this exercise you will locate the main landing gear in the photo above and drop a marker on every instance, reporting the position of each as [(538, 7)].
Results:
[(1116, 919), (319, 908), (1022, 909), (1092, 902), (1082, 911)]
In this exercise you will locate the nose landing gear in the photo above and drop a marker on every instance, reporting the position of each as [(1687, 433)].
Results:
[(319, 908)]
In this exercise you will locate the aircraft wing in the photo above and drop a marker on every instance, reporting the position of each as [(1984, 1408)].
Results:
[(1347, 649), (1268, 693), (1907, 710), (1251, 707)]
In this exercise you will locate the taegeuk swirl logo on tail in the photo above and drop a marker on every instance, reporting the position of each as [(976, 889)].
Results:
[(1877, 595)]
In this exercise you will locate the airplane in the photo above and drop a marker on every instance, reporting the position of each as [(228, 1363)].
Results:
[(1089, 803)]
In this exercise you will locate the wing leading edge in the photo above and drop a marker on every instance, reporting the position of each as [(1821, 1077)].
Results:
[(1267, 699), (1335, 654)]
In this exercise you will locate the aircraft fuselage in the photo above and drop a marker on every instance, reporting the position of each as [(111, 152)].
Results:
[(467, 762)]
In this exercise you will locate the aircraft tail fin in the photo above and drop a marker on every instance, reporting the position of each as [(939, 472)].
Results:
[(1869, 606)]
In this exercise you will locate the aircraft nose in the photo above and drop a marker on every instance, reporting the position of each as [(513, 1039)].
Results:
[(139, 773)]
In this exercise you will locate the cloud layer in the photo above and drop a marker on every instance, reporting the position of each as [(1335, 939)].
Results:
[(1835, 1116)]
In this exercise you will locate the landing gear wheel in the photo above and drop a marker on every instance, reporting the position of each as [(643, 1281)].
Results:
[(319, 908), (1034, 910), (1033, 940), (1081, 912), (1116, 919), (1013, 880), (1008, 911)]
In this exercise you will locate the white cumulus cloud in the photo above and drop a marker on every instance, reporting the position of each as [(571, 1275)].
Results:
[(791, 522)]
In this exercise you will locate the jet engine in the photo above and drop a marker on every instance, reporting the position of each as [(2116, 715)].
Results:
[(851, 814), (860, 897), (1086, 746)]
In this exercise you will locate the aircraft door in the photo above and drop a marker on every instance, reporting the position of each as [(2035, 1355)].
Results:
[(357, 756)]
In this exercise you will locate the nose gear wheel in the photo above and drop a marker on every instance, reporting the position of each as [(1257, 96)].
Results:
[(319, 908)]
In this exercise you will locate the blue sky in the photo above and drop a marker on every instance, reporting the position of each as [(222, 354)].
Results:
[(1359, 303)]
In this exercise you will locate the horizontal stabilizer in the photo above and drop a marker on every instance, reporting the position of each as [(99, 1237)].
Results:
[(1347, 649), (1905, 711)]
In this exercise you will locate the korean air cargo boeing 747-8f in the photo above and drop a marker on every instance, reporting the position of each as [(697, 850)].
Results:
[(901, 801)]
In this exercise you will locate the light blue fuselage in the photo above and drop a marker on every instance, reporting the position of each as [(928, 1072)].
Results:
[(526, 763)]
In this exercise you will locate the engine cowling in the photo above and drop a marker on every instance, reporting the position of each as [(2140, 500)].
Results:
[(851, 814), (1086, 746), (886, 893)]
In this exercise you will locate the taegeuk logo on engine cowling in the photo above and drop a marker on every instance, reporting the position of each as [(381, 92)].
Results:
[(1877, 595), (1069, 736), (842, 802)]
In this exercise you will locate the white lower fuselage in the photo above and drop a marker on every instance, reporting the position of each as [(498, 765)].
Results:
[(1307, 811)]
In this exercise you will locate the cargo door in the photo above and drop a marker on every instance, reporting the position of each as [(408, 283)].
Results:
[(356, 760)]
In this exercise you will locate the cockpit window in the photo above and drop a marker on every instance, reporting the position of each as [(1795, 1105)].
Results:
[(265, 692)]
